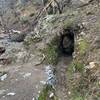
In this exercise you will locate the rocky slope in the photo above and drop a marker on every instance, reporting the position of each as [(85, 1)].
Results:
[(66, 45)]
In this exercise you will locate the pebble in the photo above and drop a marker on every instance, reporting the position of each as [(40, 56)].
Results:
[(3, 77), (69, 92), (3, 96), (11, 94), (83, 33), (27, 75), (16, 79), (43, 82), (39, 91), (51, 95), (33, 98), (16, 31), (92, 64)]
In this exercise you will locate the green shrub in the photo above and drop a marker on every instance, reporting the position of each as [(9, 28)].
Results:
[(51, 55), (83, 45), (76, 66)]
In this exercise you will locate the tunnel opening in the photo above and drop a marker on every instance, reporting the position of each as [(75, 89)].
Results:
[(61, 46), (66, 45)]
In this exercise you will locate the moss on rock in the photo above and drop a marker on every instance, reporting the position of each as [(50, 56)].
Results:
[(52, 52), (51, 55)]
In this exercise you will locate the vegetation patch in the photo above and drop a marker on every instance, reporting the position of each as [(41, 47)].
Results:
[(52, 52), (47, 93), (76, 66), (83, 46), (72, 22), (82, 83)]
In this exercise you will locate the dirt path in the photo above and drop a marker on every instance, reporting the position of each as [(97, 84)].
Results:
[(61, 88), (23, 82)]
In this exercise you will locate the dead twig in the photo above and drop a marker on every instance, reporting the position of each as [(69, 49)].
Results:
[(44, 10), (43, 58), (88, 3)]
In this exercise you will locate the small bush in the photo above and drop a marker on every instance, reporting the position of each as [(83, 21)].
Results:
[(83, 45)]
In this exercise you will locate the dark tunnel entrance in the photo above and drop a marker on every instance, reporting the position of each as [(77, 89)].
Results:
[(67, 42)]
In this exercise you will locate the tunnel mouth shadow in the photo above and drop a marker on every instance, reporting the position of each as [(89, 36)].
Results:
[(66, 45)]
